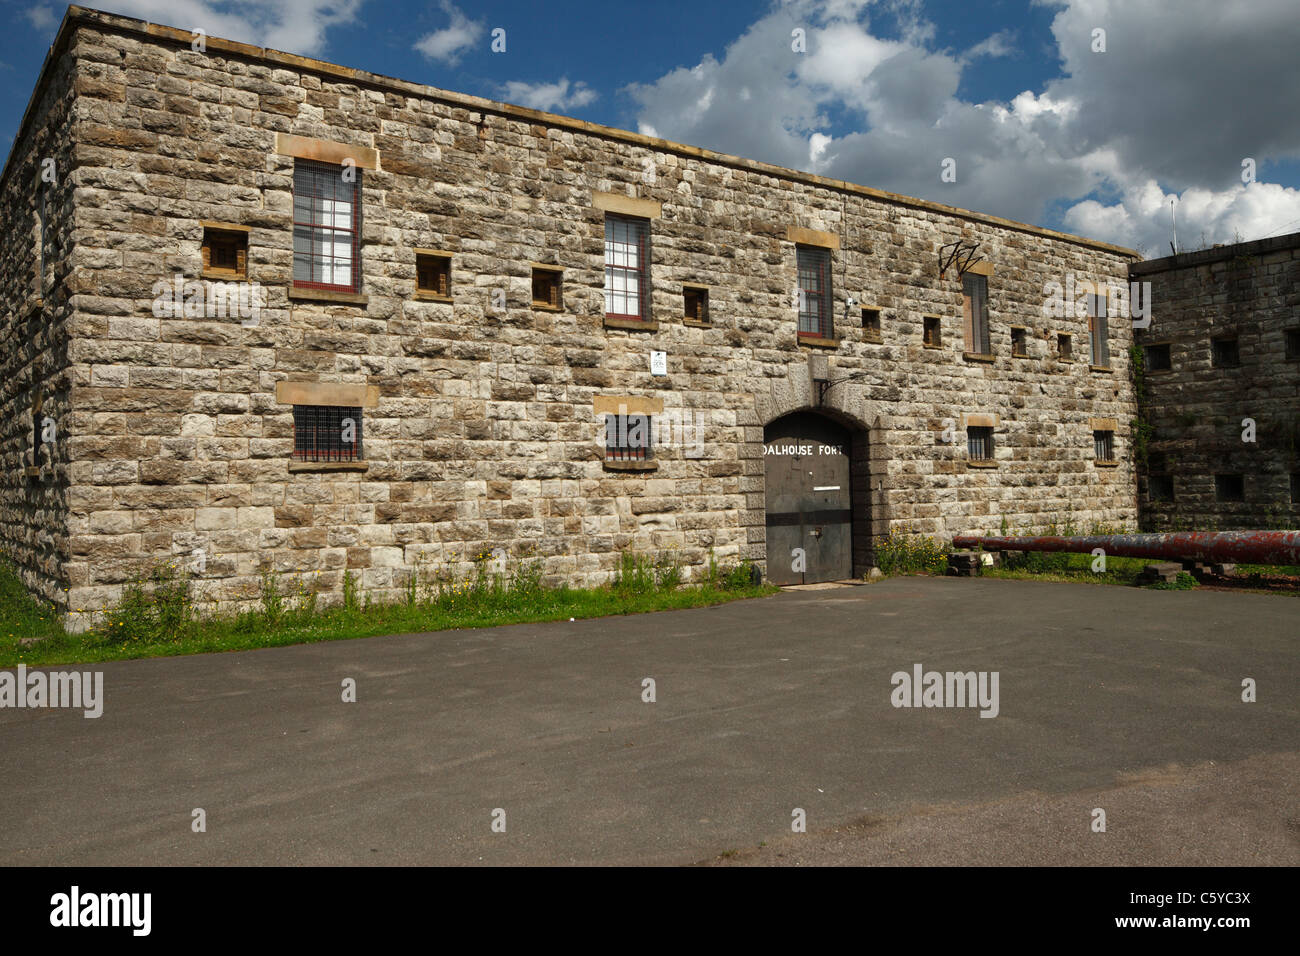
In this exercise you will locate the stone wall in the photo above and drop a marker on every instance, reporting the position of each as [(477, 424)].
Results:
[(1197, 410), (37, 255), (483, 433)]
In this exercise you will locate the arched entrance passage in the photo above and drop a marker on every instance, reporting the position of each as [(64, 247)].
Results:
[(808, 489)]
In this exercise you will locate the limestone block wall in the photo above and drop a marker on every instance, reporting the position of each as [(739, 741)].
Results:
[(1248, 293), (483, 433)]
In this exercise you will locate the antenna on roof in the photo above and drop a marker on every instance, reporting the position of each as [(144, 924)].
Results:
[(1173, 219)]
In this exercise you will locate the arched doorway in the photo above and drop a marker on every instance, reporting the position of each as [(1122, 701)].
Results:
[(808, 491)]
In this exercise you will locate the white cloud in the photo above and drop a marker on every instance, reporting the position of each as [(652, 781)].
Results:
[(449, 43), (294, 26), (552, 97), (41, 17), (1185, 91)]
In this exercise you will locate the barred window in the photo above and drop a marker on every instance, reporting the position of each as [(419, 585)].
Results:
[(814, 265), (326, 226), (979, 443), (627, 256), (1160, 488), (327, 433), (1225, 353), (1103, 445), (628, 438)]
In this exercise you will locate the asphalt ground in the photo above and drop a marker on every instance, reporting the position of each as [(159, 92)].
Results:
[(1117, 698)]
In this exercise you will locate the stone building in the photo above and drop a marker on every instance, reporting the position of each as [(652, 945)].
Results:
[(268, 312), (1222, 383)]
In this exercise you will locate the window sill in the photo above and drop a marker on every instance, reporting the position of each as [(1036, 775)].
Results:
[(1064, 361), (1101, 368), (327, 295), (296, 466), (1015, 356), (422, 296), (1105, 464), (631, 465), (543, 307), (697, 324), (818, 341), (932, 348), (981, 464), (873, 338), (979, 357), (639, 325), (223, 276), (32, 471)]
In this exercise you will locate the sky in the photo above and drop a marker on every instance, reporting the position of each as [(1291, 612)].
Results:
[(1112, 119)]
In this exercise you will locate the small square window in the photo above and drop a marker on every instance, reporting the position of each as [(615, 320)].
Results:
[(628, 438), (1020, 343), (1157, 358), (1229, 488), (1103, 445), (1293, 343), (225, 253), (1160, 488), (696, 304), (326, 433), (546, 288), (933, 336), (1064, 348), (871, 323), (433, 274), (1225, 353), (979, 443)]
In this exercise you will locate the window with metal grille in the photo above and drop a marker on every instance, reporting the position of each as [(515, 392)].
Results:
[(627, 257), (1158, 358), (1229, 488), (1097, 308), (433, 274), (814, 265), (225, 252), (1065, 347), (327, 433), (1226, 353), (546, 288), (1160, 488), (1103, 445), (932, 335), (696, 303), (326, 226), (1293, 343), (979, 442), (627, 438), (975, 313)]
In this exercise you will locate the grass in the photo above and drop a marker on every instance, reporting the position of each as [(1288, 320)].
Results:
[(157, 616)]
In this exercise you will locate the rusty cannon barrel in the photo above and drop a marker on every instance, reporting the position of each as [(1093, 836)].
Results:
[(1226, 547)]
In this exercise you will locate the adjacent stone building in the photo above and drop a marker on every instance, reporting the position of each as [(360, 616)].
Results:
[(267, 312), (1222, 388)]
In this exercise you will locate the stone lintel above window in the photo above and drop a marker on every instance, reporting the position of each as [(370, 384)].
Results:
[(326, 393), (979, 420), (812, 237), (325, 151), (627, 205)]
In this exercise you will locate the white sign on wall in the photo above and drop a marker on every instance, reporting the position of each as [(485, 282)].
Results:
[(658, 363)]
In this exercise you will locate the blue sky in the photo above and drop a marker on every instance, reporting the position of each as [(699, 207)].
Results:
[(1042, 126)]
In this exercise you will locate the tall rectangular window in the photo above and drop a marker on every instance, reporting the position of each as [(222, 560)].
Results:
[(627, 258), (327, 433), (1099, 329), (975, 313), (1103, 445), (814, 265), (326, 226)]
